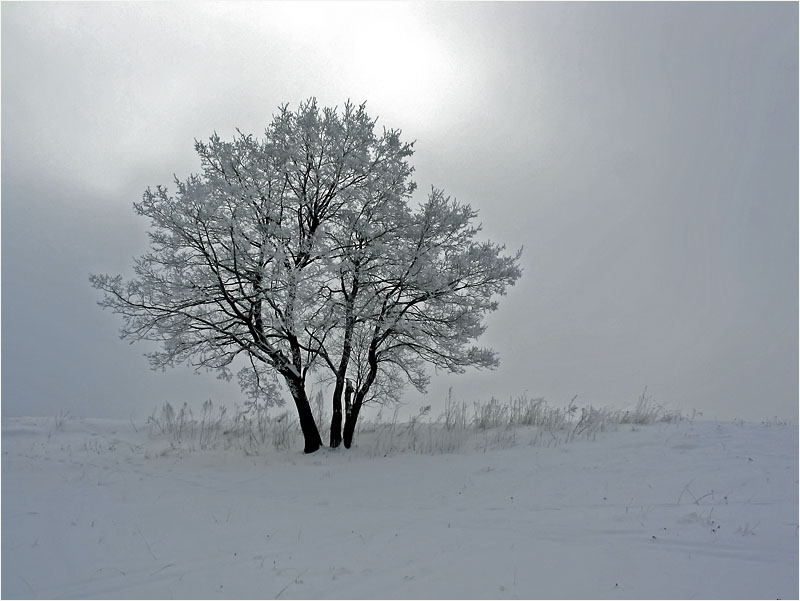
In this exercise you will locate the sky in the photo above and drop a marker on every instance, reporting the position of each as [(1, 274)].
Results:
[(645, 156)]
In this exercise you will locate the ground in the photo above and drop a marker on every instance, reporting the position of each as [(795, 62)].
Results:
[(104, 509)]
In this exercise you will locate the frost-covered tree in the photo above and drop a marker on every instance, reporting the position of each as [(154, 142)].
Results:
[(242, 255), (365, 238), (425, 284), (300, 252)]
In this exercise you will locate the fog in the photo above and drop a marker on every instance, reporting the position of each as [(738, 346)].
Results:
[(644, 155)]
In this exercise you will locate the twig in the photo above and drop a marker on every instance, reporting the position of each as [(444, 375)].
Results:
[(169, 565), (296, 578), (711, 494), (686, 489), (146, 543)]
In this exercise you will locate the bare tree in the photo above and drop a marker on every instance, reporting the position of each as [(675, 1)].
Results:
[(364, 239), (300, 252), (240, 256), (425, 301)]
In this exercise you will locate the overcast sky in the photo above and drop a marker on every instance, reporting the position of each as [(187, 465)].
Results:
[(645, 156)]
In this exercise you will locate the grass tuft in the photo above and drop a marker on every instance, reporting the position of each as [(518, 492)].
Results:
[(491, 424)]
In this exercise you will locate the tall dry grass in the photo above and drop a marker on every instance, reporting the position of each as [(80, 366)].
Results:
[(483, 426)]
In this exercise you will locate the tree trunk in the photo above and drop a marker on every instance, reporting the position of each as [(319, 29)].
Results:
[(347, 345), (352, 416), (336, 417), (351, 420), (291, 374), (313, 441)]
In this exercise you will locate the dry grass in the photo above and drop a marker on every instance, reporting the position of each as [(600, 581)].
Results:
[(492, 424)]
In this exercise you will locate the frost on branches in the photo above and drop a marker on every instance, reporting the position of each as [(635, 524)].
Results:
[(299, 253)]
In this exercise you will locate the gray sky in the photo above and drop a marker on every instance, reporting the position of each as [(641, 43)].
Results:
[(645, 156)]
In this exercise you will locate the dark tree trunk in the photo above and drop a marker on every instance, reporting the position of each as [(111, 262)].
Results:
[(352, 415), (341, 373), (291, 374), (336, 417), (313, 441), (351, 420)]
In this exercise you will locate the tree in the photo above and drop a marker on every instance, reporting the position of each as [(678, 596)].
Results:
[(426, 299), (300, 252), (365, 240), (239, 259)]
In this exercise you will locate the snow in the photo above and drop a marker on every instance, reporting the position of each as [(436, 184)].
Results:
[(103, 509)]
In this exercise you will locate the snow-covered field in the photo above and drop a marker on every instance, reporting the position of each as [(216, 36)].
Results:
[(94, 508)]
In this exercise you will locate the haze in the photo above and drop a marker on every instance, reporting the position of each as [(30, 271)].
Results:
[(645, 156)]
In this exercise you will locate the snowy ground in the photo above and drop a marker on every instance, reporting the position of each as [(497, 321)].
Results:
[(93, 508)]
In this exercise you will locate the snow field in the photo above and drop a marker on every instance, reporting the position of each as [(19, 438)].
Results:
[(98, 509)]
